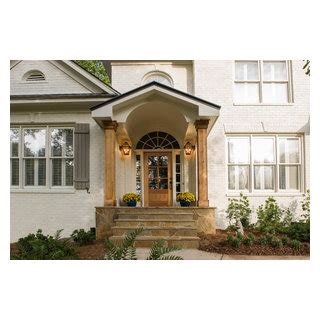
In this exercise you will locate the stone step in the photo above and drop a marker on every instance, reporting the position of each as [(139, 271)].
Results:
[(137, 223), (155, 215), (147, 241), (157, 231), (173, 210)]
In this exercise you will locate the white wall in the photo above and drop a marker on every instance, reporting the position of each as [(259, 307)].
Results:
[(129, 75), (51, 211), (214, 82)]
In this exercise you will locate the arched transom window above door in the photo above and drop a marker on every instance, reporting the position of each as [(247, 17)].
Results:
[(158, 140), (159, 77)]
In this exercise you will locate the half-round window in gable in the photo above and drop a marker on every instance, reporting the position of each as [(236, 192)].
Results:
[(160, 77), (34, 75), (158, 140)]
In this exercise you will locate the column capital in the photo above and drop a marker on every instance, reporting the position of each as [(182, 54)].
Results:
[(109, 124), (201, 124)]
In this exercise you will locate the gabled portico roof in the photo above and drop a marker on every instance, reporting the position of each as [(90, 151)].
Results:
[(156, 87)]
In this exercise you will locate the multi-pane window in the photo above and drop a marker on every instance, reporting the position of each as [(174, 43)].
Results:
[(264, 163), (262, 82), (42, 156)]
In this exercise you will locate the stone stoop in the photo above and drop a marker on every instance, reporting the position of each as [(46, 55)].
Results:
[(174, 227)]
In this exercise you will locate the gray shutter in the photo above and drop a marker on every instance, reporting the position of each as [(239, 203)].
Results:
[(81, 156)]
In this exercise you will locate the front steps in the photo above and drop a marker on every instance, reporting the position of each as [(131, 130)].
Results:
[(175, 226)]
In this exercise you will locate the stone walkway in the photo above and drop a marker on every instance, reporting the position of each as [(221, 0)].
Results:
[(194, 254)]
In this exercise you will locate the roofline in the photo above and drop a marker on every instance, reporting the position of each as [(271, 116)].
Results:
[(63, 95), (74, 66), (109, 86), (154, 83)]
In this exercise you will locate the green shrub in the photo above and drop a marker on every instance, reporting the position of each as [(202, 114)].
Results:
[(249, 240), (286, 241), (263, 241), (127, 251), (239, 210), (40, 247), (82, 237), (299, 230), (269, 216), (276, 242), (295, 244), (234, 241)]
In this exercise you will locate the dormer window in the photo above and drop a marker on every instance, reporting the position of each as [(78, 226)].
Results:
[(160, 77), (33, 76)]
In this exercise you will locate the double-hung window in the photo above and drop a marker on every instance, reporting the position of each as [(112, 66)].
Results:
[(262, 81), (264, 163), (42, 156)]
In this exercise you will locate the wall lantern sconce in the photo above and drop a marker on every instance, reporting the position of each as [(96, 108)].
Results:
[(125, 149), (188, 148)]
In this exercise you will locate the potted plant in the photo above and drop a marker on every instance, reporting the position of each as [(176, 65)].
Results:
[(131, 199), (185, 198)]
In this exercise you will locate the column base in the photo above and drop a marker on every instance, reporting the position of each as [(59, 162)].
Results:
[(110, 203), (203, 203)]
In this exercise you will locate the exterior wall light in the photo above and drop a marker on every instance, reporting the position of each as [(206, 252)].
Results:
[(125, 149), (188, 148)]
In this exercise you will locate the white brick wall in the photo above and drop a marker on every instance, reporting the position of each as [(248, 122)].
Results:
[(68, 211)]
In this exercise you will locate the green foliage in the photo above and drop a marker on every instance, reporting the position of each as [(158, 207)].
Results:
[(269, 216), (239, 210), (249, 240), (299, 230), (127, 250), (295, 244), (96, 68), (286, 241), (234, 241), (276, 242), (160, 252), (263, 241), (40, 247), (82, 237)]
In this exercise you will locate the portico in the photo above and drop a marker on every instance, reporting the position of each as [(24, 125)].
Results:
[(156, 122)]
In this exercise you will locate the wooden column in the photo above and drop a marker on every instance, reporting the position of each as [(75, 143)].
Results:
[(110, 128), (201, 127)]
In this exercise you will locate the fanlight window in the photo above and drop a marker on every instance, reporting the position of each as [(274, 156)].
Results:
[(158, 140), (159, 77)]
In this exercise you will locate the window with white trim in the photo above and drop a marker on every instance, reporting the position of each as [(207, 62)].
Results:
[(264, 163), (42, 156), (262, 81)]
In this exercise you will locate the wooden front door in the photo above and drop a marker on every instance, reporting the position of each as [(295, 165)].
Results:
[(157, 179)]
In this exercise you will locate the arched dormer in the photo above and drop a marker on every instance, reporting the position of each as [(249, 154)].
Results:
[(158, 76)]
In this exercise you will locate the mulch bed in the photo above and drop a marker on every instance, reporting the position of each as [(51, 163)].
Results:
[(95, 251), (217, 243), (211, 243)]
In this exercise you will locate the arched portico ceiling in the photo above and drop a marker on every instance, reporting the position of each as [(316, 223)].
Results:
[(120, 107)]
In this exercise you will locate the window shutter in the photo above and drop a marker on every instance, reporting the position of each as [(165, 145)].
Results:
[(81, 156)]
